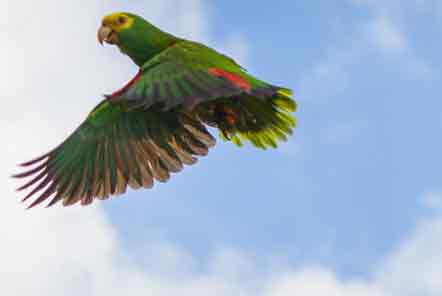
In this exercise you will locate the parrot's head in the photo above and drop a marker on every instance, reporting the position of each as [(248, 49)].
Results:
[(135, 36), (113, 25)]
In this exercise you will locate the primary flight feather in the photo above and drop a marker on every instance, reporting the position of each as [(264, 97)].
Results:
[(156, 124)]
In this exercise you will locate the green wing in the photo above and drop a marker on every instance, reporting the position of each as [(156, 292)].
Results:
[(187, 74), (114, 148)]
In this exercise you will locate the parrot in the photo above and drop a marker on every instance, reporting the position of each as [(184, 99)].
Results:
[(160, 120)]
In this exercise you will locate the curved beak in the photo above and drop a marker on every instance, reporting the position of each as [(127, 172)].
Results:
[(105, 34)]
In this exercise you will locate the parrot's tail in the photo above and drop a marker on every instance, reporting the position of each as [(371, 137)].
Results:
[(261, 121)]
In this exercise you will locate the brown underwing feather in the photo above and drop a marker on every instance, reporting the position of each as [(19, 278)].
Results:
[(90, 158), (76, 187), (146, 177), (30, 172), (111, 166), (39, 187), (183, 154), (158, 171), (126, 158), (169, 158), (143, 148), (196, 146), (130, 146), (136, 180), (61, 190), (101, 172), (33, 181), (107, 185), (49, 191), (87, 200), (133, 167), (120, 165), (84, 186), (121, 183), (96, 176), (203, 136), (36, 160)]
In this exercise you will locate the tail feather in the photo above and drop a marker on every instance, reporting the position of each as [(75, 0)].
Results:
[(247, 118)]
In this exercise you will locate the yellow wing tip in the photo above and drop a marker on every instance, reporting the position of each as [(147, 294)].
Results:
[(284, 100), (285, 92)]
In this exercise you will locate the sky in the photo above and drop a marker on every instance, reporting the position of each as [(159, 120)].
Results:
[(350, 205)]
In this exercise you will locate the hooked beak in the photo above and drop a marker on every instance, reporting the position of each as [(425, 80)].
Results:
[(106, 34)]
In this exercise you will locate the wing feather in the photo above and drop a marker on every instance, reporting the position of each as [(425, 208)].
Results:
[(181, 76), (113, 149)]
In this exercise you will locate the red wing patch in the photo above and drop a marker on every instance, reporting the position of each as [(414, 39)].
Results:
[(233, 78), (129, 84)]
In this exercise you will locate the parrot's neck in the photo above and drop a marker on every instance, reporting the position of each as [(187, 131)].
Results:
[(144, 42)]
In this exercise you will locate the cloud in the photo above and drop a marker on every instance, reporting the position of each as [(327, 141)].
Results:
[(386, 36), (77, 251), (379, 37), (319, 282), (432, 200), (415, 266)]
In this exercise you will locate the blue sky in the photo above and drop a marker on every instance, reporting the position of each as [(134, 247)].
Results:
[(350, 205)]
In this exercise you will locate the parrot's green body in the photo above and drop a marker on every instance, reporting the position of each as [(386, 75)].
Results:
[(156, 123)]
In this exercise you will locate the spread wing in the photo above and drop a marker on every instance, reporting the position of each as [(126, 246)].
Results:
[(148, 130), (187, 74), (114, 148)]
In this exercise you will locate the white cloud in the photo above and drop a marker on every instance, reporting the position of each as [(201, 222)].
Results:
[(380, 36), (319, 282), (77, 251), (416, 265), (433, 200), (386, 36)]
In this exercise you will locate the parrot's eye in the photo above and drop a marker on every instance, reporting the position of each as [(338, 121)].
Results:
[(121, 20)]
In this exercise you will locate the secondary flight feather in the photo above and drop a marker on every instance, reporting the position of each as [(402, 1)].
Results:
[(156, 124)]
